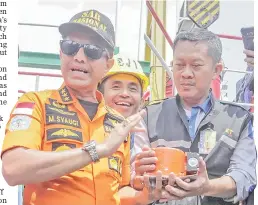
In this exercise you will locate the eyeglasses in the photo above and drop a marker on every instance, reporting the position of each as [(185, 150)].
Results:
[(71, 48)]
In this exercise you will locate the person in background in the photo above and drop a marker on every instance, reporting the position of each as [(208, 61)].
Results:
[(245, 94), (66, 146), (245, 86), (123, 87), (220, 132)]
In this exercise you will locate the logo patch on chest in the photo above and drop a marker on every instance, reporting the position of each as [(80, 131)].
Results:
[(64, 133), (114, 163)]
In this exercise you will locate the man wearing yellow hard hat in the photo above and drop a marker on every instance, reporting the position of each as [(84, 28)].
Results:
[(124, 85)]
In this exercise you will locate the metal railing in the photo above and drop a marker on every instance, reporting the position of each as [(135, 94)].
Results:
[(161, 26), (37, 75)]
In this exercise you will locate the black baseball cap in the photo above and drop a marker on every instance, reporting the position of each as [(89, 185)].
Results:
[(93, 20)]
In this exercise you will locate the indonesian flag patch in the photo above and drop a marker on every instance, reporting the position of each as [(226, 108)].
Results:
[(24, 108)]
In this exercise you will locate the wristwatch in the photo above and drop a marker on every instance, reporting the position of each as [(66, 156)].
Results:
[(90, 147)]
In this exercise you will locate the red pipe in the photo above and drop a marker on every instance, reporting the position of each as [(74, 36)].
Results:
[(146, 95), (39, 74), (21, 91), (154, 14), (230, 37), (216, 87)]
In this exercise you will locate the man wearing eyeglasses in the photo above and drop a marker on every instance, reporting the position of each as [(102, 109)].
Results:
[(65, 145)]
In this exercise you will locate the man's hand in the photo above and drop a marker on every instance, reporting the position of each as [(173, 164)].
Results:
[(184, 189), (121, 132), (152, 191), (249, 58), (145, 161), (155, 189)]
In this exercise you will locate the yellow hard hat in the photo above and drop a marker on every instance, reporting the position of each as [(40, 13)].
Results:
[(128, 66)]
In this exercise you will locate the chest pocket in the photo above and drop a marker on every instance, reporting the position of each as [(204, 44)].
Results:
[(219, 159), (226, 146)]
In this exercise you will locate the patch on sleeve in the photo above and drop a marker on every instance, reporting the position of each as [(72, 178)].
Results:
[(20, 122), (24, 108)]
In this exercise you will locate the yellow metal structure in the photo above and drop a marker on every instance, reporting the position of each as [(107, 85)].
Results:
[(203, 12), (158, 74)]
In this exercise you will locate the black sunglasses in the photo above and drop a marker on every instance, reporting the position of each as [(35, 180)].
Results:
[(71, 48)]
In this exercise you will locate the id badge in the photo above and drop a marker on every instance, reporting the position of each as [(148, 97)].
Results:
[(207, 141)]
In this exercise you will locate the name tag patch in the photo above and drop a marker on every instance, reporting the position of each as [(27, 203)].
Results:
[(59, 116)]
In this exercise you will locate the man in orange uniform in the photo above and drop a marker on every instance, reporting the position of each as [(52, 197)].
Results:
[(65, 145)]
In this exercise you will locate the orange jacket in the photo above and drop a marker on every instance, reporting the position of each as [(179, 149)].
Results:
[(54, 121)]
